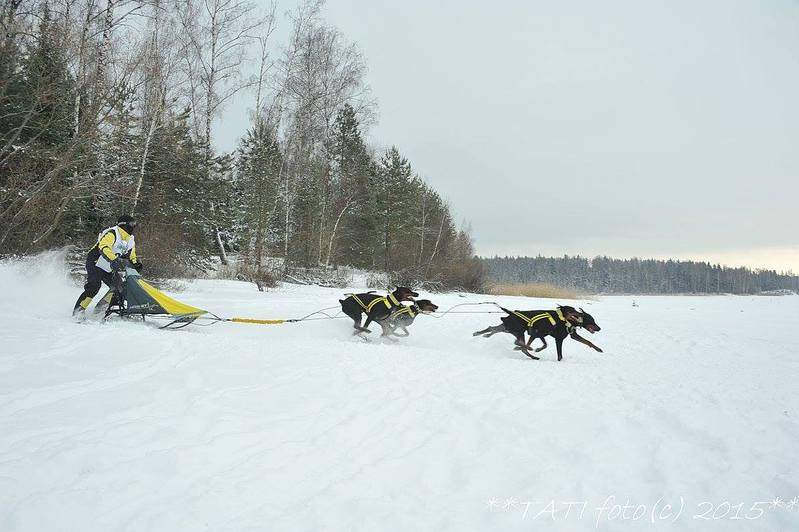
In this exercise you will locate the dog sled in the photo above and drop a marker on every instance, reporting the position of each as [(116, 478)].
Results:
[(133, 297)]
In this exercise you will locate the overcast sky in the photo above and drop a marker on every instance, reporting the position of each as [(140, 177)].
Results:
[(628, 128)]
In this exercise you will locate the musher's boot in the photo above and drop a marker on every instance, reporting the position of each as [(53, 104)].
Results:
[(81, 305)]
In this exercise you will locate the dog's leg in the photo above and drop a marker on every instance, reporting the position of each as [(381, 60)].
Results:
[(404, 330), (478, 333), (533, 337), (488, 332), (356, 314), (522, 346), (387, 332), (559, 345), (365, 327), (359, 332), (530, 355), (586, 342), (357, 326), (349, 307)]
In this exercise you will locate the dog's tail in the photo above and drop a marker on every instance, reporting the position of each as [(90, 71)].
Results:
[(505, 310)]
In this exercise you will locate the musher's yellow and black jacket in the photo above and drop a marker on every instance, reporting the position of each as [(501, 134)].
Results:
[(112, 243)]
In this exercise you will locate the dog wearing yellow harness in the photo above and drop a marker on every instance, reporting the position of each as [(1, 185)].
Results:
[(377, 308), (403, 318), (558, 323)]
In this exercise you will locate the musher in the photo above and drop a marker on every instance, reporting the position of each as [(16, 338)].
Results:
[(108, 255)]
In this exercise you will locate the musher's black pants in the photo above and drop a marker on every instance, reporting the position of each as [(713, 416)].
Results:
[(94, 279)]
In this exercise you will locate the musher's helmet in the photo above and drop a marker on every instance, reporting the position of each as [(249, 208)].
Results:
[(127, 223)]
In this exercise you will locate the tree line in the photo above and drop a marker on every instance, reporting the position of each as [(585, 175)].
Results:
[(637, 276), (110, 106)]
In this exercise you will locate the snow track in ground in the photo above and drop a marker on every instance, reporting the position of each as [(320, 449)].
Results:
[(302, 427)]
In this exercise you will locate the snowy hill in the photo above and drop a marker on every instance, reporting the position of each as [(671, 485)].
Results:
[(121, 426)]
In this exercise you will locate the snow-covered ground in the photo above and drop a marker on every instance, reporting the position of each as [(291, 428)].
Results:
[(121, 426)]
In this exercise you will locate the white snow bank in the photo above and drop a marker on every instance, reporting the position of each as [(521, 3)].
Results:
[(301, 427), (32, 285)]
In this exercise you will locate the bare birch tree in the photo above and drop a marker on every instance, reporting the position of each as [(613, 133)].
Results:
[(320, 72), (218, 33)]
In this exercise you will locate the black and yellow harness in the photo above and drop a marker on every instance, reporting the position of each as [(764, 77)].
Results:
[(404, 310), (389, 301), (529, 321)]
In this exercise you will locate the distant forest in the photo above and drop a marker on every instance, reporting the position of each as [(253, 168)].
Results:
[(636, 276)]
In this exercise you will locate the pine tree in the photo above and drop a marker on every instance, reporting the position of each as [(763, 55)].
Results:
[(35, 132), (257, 182), (393, 204), (351, 235), (175, 205)]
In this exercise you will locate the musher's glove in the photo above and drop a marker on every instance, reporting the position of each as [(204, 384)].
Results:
[(117, 264), (138, 266)]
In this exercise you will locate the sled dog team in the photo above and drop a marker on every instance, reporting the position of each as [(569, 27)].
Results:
[(393, 316), (116, 245)]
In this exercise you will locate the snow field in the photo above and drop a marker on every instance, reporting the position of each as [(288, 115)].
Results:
[(121, 426)]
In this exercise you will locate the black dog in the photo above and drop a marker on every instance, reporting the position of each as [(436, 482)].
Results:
[(403, 318), (558, 323), (377, 308)]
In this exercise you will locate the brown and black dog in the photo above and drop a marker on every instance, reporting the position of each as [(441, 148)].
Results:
[(404, 316), (377, 308), (558, 323)]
